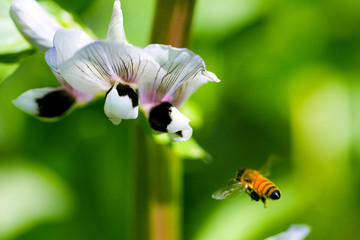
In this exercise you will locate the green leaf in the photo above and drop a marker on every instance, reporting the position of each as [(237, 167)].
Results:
[(11, 40), (16, 57), (6, 70), (12, 44), (29, 195), (190, 149)]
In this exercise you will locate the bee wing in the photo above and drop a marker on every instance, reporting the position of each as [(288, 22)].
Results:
[(229, 191), (272, 160)]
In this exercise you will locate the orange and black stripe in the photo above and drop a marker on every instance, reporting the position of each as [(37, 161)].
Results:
[(264, 187)]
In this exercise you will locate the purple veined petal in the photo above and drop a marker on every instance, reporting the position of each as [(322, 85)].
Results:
[(181, 74), (186, 89), (47, 103), (116, 30), (34, 23), (98, 66), (51, 57)]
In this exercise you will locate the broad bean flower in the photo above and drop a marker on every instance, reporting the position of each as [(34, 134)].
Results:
[(159, 78), (181, 72), (45, 34)]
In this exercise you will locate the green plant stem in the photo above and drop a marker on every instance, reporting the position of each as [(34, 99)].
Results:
[(157, 170), (172, 22), (157, 185)]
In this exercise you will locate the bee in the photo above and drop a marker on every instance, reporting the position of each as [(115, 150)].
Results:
[(256, 186)]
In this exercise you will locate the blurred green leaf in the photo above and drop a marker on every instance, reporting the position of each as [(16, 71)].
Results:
[(6, 70), (215, 18), (16, 57), (30, 194), (78, 7), (190, 149), (62, 16), (193, 112), (11, 41)]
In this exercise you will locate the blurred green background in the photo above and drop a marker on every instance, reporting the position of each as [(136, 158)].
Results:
[(290, 88)]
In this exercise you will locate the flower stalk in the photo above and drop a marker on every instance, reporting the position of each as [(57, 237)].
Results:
[(157, 170), (172, 22), (158, 186)]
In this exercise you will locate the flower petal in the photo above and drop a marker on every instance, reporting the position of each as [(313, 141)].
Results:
[(45, 102), (34, 23), (51, 57), (121, 102), (67, 42), (183, 72), (186, 89), (294, 232), (116, 30), (98, 66), (167, 118)]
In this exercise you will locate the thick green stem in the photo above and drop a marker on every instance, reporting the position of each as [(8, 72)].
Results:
[(157, 186), (172, 22), (157, 170)]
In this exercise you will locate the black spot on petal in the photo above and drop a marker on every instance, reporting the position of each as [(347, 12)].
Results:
[(159, 116), (126, 90), (179, 133), (55, 104)]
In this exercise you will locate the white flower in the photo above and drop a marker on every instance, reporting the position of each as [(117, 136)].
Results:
[(112, 67), (162, 76), (181, 73), (165, 77), (60, 44)]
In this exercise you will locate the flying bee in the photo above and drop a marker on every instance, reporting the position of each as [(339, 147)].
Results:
[(255, 185)]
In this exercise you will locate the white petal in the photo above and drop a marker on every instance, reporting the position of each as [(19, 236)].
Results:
[(51, 58), (187, 88), (45, 102), (120, 105), (181, 136), (167, 118), (34, 23), (116, 30), (182, 73), (67, 42), (179, 128), (295, 232), (98, 66)]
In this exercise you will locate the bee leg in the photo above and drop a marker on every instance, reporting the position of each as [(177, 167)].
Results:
[(264, 201), (252, 194)]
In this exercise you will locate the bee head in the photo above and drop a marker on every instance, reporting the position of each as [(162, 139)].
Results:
[(239, 173)]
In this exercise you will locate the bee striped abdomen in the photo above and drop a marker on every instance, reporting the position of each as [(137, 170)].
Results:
[(266, 188)]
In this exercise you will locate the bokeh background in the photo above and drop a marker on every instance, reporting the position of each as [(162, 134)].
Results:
[(290, 91)]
